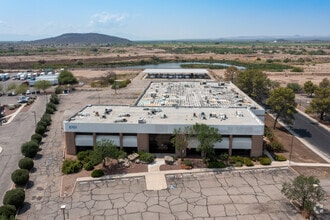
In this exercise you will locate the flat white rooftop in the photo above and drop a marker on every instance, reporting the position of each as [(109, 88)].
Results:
[(176, 71), (202, 94), (165, 116)]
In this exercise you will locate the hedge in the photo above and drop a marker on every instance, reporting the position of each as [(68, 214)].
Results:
[(26, 163), (20, 177), (14, 197)]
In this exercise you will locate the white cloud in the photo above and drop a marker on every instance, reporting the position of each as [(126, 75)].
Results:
[(105, 18)]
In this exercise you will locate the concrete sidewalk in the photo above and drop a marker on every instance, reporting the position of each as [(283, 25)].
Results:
[(156, 179)]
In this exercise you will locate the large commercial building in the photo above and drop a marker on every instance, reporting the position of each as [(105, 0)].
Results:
[(166, 105)]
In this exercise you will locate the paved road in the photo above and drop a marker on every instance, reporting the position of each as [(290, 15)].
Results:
[(313, 133), (12, 136)]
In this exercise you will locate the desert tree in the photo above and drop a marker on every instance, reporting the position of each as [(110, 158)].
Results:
[(180, 140), (207, 136), (104, 149), (43, 85), (231, 74), (320, 104), (66, 77), (282, 103), (309, 88), (306, 191), (254, 83), (325, 83)]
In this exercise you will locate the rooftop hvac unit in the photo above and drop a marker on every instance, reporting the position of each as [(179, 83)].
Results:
[(124, 115), (239, 114), (142, 121), (120, 120), (107, 110)]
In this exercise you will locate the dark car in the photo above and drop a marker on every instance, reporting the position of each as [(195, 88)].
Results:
[(11, 93)]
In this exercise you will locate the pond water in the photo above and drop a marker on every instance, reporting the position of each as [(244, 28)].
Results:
[(176, 65)]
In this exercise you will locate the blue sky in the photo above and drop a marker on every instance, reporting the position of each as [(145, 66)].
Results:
[(164, 19)]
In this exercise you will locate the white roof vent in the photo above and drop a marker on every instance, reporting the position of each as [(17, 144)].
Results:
[(142, 121), (239, 114)]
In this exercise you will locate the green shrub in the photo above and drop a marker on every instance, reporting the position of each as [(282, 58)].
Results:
[(279, 157), (234, 159), (97, 173), (7, 212), (238, 164), (248, 162), (224, 156), (297, 69), (36, 137), (265, 160), (26, 163), (46, 118), (71, 166), (275, 146), (88, 166), (121, 154), (14, 197), (84, 156), (216, 164), (51, 105), (54, 99), (146, 157), (269, 133), (188, 163), (40, 129), (49, 110), (58, 90), (30, 149), (20, 177), (89, 156)]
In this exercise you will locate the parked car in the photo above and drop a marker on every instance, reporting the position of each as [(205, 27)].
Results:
[(11, 93), (28, 92), (23, 99)]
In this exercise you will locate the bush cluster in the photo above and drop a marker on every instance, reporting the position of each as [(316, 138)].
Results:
[(279, 157), (71, 166), (30, 149), (146, 157), (238, 161), (188, 163), (97, 173), (26, 163), (275, 146), (89, 156), (120, 84), (265, 160)]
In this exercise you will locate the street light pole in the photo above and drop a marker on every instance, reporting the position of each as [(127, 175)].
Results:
[(291, 148), (63, 211)]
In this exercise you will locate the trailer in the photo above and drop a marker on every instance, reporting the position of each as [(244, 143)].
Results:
[(53, 79)]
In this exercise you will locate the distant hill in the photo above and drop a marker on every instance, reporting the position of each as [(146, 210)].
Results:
[(81, 39)]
